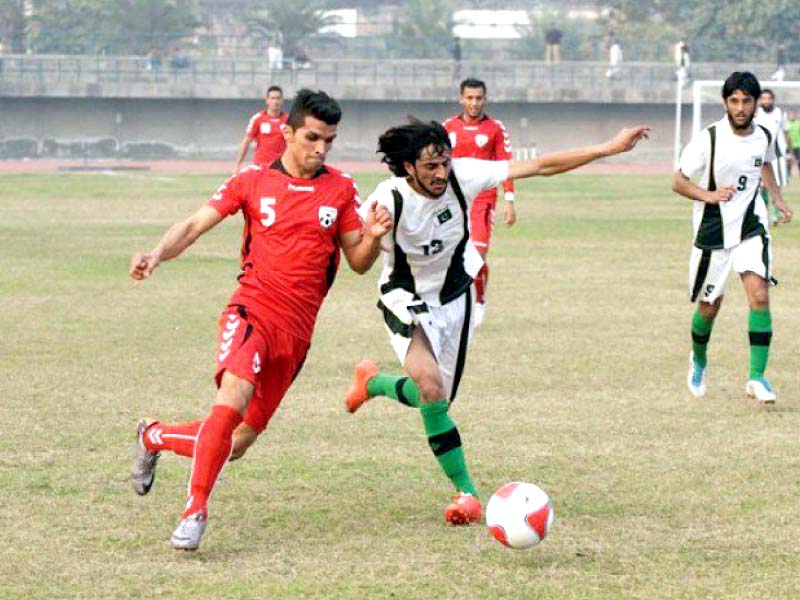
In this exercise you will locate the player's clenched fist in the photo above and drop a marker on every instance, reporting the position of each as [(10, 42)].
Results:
[(142, 265), (379, 221), (720, 195)]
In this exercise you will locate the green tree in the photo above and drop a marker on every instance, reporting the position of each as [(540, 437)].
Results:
[(426, 29), (291, 22), (13, 25), (112, 26)]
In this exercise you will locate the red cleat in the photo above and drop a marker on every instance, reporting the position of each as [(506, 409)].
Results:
[(357, 394), (463, 510)]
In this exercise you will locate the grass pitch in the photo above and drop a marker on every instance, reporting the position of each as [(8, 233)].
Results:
[(575, 382)]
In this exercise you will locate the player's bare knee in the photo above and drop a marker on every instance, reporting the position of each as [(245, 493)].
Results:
[(709, 310), (431, 388)]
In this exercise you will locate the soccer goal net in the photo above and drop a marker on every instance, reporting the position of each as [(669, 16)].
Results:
[(707, 107)]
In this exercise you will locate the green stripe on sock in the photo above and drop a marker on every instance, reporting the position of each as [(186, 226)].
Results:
[(395, 387), (442, 437), (701, 332), (759, 322)]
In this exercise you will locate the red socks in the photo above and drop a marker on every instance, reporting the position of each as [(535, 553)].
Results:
[(179, 438), (211, 451)]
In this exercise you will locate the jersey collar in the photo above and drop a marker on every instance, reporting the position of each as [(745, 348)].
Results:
[(278, 166)]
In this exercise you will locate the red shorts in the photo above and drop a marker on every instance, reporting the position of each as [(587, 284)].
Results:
[(264, 355), (481, 221)]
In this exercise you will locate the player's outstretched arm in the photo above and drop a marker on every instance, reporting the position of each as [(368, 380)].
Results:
[(682, 185), (560, 162), (178, 237), (361, 248), (768, 176)]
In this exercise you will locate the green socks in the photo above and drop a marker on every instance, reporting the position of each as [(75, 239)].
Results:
[(443, 437), (760, 329), (445, 442), (701, 333), (397, 388)]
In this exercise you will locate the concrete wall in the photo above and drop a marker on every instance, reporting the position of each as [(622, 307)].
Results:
[(213, 128)]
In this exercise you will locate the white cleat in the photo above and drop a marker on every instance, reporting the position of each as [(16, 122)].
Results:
[(696, 378), (190, 531), (761, 390)]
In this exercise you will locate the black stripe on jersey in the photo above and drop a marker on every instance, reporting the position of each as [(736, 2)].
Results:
[(702, 271), (401, 276), (769, 139), (710, 234), (456, 281), (751, 224), (463, 342)]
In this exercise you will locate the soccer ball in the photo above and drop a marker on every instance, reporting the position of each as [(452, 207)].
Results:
[(519, 515)]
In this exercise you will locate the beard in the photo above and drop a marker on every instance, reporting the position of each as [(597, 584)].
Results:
[(768, 108), (743, 127)]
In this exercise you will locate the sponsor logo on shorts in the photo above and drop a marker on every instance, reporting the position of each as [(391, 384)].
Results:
[(227, 337), (709, 289), (256, 363), (327, 216)]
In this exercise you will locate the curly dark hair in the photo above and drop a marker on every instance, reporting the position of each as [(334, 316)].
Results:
[(405, 143)]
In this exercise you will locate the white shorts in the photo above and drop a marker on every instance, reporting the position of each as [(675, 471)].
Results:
[(709, 269), (448, 328)]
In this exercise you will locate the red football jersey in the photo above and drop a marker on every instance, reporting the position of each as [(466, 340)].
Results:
[(267, 131), (486, 139), (291, 240)]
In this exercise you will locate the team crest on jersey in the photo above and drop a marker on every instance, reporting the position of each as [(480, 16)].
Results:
[(443, 216), (266, 128), (759, 162), (453, 138), (481, 139), (327, 216)]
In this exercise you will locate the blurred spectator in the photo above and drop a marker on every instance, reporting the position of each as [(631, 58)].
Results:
[(552, 45), (179, 61), (153, 60), (614, 58), (2, 50), (455, 52), (780, 71), (682, 60), (275, 55), (301, 60)]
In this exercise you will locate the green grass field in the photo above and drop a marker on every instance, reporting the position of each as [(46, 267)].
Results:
[(575, 382)]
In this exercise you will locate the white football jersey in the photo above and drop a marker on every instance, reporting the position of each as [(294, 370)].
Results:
[(725, 158), (429, 252), (777, 124)]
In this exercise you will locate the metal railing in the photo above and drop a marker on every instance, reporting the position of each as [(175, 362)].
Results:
[(405, 75)]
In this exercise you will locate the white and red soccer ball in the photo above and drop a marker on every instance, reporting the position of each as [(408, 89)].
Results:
[(519, 515)]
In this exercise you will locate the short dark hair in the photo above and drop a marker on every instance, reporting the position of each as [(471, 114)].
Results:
[(741, 80), (471, 83), (274, 88), (768, 91), (405, 143), (308, 103)]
